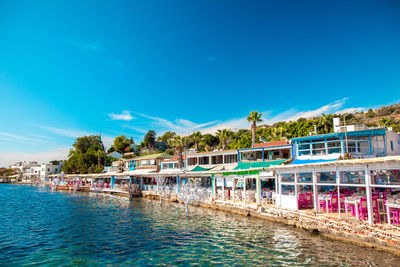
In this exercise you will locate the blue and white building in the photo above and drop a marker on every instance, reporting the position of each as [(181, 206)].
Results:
[(358, 140)]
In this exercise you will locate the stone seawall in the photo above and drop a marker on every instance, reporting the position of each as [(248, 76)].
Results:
[(381, 236)]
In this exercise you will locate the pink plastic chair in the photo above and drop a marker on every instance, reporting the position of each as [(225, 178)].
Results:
[(302, 201), (342, 203), (363, 209), (333, 204), (309, 200), (352, 209), (322, 204)]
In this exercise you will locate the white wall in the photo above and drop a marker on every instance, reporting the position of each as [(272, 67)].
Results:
[(395, 138)]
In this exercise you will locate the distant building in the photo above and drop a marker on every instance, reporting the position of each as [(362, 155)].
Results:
[(115, 154)]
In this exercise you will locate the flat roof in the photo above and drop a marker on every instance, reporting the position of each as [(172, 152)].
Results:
[(342, 134)]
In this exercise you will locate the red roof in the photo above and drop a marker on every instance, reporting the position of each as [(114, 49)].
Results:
[(271, 144), (174, 158)]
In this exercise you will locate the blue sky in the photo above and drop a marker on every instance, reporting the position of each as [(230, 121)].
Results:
[(69, 68)]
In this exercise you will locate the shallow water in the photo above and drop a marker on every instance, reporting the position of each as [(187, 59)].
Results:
[(63, 229)]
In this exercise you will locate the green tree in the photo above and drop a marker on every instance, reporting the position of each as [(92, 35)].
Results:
[(326, 122), (254, 117), (166, 137), (196, 138), (86, 156), (224, 136), (121, 143), (179, 144), (149, 139)]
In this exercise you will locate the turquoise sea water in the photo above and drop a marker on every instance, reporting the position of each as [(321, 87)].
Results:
[(63, 229)]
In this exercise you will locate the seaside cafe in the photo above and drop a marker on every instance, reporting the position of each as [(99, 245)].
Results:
[(366, 189)]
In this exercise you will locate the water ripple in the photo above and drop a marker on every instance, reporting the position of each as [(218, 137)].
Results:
[(68, 229)]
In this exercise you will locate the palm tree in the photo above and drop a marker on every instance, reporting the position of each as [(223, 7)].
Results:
[(325, 120), (196, 138), (179, 144), (388, 122), (224, 136), (278, 134), (254, 117)]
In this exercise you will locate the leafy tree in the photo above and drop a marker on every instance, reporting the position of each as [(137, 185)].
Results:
[(121, 143), (254, 117), (370, 114), (388, 122), (166, 137), (82, 144), (86, 156), (149, 139)]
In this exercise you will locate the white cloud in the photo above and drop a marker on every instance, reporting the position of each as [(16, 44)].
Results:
[(9, 158), (180, 126), (135, 128), (289, 115), (64, 132), (13, 137), (124, 116), (350, 110)]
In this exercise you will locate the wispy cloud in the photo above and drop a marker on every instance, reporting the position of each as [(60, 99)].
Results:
[(13, 137), (9, 158), (289, 115), (139, 130), (350, 110), (124, 116), (64, 132), (180, 126), (86, 46)]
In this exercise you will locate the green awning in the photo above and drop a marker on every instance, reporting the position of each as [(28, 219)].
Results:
[(257, 164), (200, 169)]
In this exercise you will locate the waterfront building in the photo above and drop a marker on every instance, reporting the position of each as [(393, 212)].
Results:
[(333, 186), (277, 150), (357, 141), (115, 154), (49, 169)]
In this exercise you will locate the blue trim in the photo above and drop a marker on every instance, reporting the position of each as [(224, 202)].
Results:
[(338, 135), (264, 148), (370, 145), (177, 182), (238, 153), (263, 157), (112, 181), (384, 144), (308, 161)]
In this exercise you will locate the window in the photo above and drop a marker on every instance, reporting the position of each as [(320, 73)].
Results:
[(305, 177), (326, 177), (288, 190), (352, 177), (385, 177), (303, 149), (318, 149), (334, 147), (287, 177), (391, 145)]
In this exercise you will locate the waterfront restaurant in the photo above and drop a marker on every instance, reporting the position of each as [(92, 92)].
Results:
[(363, 143), (367, 189)]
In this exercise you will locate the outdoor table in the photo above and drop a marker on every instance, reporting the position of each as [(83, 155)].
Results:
[(325, 198), (354, 202), (388, 206)]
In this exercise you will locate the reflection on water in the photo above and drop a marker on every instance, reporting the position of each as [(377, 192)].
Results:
[(54, 228)]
